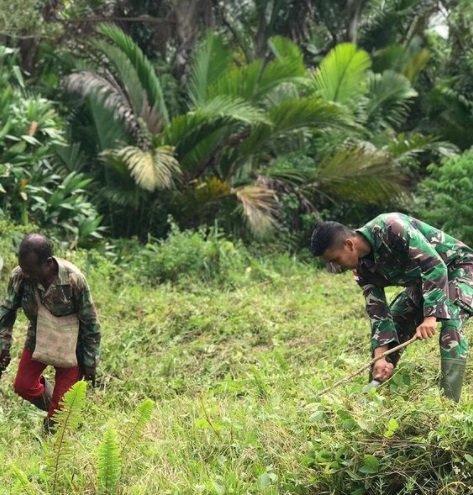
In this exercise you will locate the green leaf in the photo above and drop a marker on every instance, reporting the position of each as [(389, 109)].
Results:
[(285, 49), (296, 114), (210, 62), (132, 433), (266, 479), (391, 428), (370, 465), (342, 74), (361, 174), (469, 458), (107, 105), (68, 419), (109, 464), (144, 69), (389, 96), (152, 169)]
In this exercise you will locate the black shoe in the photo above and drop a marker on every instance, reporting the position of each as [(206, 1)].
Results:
[(44, 401), (49, 425)]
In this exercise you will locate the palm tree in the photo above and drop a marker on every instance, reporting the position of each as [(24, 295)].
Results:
[(240, 120)]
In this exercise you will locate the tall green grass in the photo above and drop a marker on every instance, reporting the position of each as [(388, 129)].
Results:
[(234, 370)]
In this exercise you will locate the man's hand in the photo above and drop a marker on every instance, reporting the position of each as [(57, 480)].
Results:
[(89, 374), (5, 359), (382, 370), (426, 329)]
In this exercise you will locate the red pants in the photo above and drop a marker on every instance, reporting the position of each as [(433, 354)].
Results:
[(28, 380)]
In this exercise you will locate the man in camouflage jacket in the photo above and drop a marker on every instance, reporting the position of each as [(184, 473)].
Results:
[(437, 272), (62, 290)]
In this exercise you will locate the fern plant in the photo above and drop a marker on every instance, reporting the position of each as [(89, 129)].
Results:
[(109, 464), (112, 453), (136, 427), (67, 419)]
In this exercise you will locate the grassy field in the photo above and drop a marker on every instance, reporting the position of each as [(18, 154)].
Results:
[(234, 374)]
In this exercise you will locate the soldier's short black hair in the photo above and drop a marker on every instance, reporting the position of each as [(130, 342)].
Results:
[(327, 235), (38, 244)]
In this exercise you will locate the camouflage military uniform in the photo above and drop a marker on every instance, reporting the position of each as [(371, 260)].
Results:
[(435, 268), (68, 294)]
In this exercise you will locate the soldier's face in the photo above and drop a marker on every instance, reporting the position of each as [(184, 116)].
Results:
[(342, 257)]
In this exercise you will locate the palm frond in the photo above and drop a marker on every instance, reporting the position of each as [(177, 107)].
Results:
[(121, 189), (123, 197), (383, 20), (407, 146), (109, 131), (416, 64), (232, 109), (238, 82), (389, 96), (196, 135), (286, 50), (72, 157), (309, 112), (360, 174), (152, 169), (210, 61), (210, 116), (126, 74), (409, 61), (253, 81), (341, 75), (283, 92), (142, 65), (206, 147), (295, 114), (186, 132), (259, 207), (288, 182), (107, 94), (281, 71)]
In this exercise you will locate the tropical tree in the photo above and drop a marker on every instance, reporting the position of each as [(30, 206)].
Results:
[(241, 120)]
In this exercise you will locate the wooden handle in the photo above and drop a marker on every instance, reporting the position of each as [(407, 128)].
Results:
[(366, 366)]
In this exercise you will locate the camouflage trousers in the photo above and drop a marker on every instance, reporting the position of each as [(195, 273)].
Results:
[(407, 313)]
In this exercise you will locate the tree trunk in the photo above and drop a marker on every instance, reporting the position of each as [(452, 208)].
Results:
[(353, 9), (29, 47), (189, 15)]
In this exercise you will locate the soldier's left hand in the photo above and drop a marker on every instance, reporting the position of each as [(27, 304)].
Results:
[(426, 329)]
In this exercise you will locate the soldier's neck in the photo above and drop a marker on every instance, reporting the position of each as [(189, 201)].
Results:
[(362, 245)]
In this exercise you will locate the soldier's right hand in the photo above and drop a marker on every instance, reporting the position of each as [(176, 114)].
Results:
[(5, 359), (382, 370)]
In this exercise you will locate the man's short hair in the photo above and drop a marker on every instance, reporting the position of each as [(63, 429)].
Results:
[(38, 244), (327, 235)]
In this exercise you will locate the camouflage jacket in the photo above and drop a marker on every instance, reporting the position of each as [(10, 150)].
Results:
[(407, 252), (68, 294)]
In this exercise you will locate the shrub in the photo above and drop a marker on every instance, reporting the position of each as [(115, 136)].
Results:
[(201, 255), (446, 196)]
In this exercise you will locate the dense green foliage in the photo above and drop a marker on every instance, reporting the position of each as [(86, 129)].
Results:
[(261, 115), (35, 186), (234, 373), (447, 196), (177, 151)]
